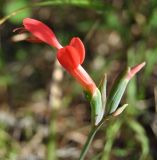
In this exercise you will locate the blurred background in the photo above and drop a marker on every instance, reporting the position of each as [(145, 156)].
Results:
[(43, 111)]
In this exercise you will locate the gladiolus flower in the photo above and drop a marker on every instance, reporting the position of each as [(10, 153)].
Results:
[(70, 57)]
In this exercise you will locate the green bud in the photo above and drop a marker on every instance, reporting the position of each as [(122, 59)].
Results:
[(119, 87), (116, 93)]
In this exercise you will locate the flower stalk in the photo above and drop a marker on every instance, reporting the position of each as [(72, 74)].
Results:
[(88, 143)]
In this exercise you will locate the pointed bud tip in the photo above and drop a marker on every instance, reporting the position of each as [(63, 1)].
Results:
[(134, 70)]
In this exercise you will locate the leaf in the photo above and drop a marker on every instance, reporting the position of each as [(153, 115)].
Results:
[(141, 136), (111, 134)]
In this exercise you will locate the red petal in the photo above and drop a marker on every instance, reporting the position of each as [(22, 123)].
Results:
[(79, 46), (41, 31), (68, 57)]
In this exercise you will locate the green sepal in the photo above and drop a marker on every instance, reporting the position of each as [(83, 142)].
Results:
[(88, 95), (117, 92), (103, 90), (96, 107)]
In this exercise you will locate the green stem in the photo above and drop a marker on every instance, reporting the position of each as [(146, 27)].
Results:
[(91, 135), (81, 3), (51, 150), (88, 142)]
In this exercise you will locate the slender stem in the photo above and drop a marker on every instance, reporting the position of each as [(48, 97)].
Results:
[(51, 150), (88, 142), (81, 3), (91, 135)]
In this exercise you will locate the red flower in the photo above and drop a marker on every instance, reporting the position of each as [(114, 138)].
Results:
[(70, 57)]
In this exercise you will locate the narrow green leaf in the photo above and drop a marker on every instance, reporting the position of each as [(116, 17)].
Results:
[(110, 134), (141, 137), (12, 5), (80, 3)]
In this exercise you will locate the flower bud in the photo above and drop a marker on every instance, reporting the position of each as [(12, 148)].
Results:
[(119, 87)]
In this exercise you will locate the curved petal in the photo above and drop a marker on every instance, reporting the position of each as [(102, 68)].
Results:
[(41, 31), (79, 46), (68, 57)]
